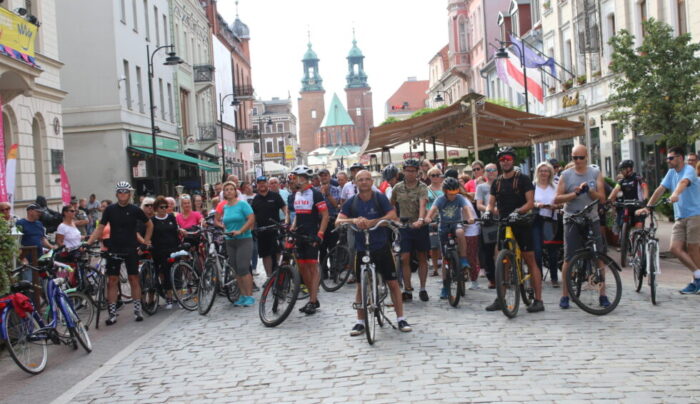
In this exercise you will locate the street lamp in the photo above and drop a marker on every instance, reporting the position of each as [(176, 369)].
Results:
[(262, 162), (503, 54), (171, 60), (439, 98), (234, 103)]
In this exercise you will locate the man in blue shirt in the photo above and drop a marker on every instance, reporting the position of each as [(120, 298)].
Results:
[(34, 235), (365, 212), (685, 237)]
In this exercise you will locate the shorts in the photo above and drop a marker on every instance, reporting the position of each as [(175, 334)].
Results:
[(415, 239), (686, 230), (131, 261), (307, 253), (383, 260), (267, 244), (574, 241), (523, 236), (239, 252), (450, 229)]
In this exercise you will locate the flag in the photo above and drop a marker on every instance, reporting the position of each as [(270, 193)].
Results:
[(510, 72), (9, 178), (533, 60), (65, 186), (3, 179)]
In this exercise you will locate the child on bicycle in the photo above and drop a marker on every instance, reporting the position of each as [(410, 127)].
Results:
[(452, 208)]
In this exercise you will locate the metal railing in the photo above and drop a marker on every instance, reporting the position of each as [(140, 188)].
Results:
[(203, 73), (243, 92), (247, 135), (208, 131)]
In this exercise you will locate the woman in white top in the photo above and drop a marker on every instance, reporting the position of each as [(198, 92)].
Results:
[(67, 234), (434, 175), (546, 217)]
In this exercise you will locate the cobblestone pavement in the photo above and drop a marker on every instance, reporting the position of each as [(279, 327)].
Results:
[(638, 353)]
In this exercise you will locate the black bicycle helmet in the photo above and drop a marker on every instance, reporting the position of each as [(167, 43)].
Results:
[(411, 163), (357, 166), (452, 173), (506, 150), (389, 172), (450, 184), (625, 164)]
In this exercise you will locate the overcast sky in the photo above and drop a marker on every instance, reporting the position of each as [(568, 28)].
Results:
[(398, 38)]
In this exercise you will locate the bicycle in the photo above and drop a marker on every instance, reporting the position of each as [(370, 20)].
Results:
[(373, 289), (336, 267), (645, 254), (150, 283), (101, 292), (454, 275), (184, 278), (629, 206), (513, 279), (586, 278), (217, 276)]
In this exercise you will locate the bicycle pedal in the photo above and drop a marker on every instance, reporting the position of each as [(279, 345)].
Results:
[(357, 306)]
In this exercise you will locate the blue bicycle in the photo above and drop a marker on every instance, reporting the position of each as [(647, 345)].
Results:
[(27, 336)]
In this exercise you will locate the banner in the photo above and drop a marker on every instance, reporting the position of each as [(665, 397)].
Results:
[(65, 186), (16, 32), (289, 154), (10, 176), (3, 181), (510, 72)]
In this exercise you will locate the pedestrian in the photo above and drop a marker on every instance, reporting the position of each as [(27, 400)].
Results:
[(692, 159), (188, 218), (148, 210), (425, 166), (487, 245), (267, 207), (274, 185), (477, 173), (33, 235), (237, 218), (199, 205), (165, 241), (81, 218), (545, 223), (342, 177), (434, 191), (390, 174), (331, 194), (93, 210), (172, 205), (67, 234), (684, 184)]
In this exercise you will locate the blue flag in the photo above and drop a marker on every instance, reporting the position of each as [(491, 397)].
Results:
[(532, 59)]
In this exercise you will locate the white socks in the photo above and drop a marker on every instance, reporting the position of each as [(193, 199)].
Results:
[(696, 274)]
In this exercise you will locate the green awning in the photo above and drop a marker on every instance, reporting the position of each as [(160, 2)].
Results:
[(204, 165)]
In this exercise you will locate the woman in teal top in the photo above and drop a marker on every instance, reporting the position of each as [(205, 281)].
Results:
[(237, 218)]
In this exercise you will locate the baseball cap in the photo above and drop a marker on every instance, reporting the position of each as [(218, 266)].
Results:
[(261, 178), (33, 206), (323, 171), (554, 162)]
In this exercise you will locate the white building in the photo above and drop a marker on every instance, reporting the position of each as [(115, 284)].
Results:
[(275, 122), (31, 96)]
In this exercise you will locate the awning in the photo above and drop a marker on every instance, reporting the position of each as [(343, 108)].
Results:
[(454, 126), (204, 165), (270, 167)]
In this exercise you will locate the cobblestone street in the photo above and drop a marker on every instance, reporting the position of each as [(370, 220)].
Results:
[(639, 353)]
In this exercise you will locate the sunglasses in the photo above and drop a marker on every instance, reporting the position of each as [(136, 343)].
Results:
[(669, 158), (71, 211), (148, 205), (490, 170), (506, 158), (123, 191), (476, 169), (435, 175), (163, 207), (452, 191), (5, 210), (578, 157)]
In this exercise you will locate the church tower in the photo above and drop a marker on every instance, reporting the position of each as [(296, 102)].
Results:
[(311, 105), (358, 92)]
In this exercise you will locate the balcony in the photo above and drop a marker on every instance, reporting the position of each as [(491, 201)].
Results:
[(244, 92), (247, 135), (207, 132), (203, 73)]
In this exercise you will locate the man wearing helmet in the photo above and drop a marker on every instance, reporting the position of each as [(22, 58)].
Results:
[(311, 220), (633, 188), (453, 208), (512, 195), (123, 218), (411, 196)]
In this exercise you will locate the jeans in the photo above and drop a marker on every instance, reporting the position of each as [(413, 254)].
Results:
[(486, 259), (552, 249)]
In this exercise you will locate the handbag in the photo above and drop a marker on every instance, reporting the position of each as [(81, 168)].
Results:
[(551, 228), (489, 234)]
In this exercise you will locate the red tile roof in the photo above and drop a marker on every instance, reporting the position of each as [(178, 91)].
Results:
[(412, 92)]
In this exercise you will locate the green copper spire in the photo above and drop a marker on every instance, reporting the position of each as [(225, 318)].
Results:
[(356, 78), (336, 115), (312, 80)]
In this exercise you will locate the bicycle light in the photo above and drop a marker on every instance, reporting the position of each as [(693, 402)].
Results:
[(365, 259)]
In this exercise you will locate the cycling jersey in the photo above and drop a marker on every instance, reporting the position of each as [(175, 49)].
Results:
[(308, 205), (631, 187)]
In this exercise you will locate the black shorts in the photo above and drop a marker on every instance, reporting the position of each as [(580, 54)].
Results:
[(267, 244), (130, 259), (307, 252), (415, 239), (523, 236), (383, 260)]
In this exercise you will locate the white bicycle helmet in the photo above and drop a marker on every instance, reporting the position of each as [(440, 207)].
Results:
[(303, 170), (123, 186)]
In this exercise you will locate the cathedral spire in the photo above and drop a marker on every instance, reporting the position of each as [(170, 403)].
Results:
[(356, 78)]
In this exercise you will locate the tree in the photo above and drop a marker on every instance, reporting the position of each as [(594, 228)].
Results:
[(657, 86), (506, 103), (389, 120)]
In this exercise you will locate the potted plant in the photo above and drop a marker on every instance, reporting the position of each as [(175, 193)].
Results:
[(547, 5), (8, 253), (581, 80), (568, 84), (596, 74), (552, 89)]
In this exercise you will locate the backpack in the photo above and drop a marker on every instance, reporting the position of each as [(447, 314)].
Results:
[(516, 177), (354, 205)]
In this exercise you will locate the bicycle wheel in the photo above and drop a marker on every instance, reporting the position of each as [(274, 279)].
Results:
[(624, 244), (527, 291), (207, 287), (84, 307), (149, 288), (231, 284), (454, 276), (101, 300), (507, 288), (368, 305), (591, 276), (124, 285), (78, 330), (336, 268), (382, 294), (185, 283), (27, 347), (652, 267), (279, 294), (638, 265)]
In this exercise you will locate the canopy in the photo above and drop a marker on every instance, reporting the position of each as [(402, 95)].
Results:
[(204, 165), (270, 167), (454, 126)]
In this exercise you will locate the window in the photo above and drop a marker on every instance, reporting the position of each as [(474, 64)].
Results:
[(280, 145), (268, 146), (56, 160), (255, 128), (139, 88), (170, 103), (165, 30), (147, 26), (358, 111), (162, 99), (515, 23), (682, 17), (313, 114), (157, 29), (280, 127), (136, 19), (255, 110), (127, 84), (122, 9), (535, 8), (268, 128), (256, 148), (462, 35), (643, 15)]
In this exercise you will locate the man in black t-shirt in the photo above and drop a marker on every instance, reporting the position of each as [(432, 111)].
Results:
[(266, 206), (633, 188), (512, 195), (123, 218)]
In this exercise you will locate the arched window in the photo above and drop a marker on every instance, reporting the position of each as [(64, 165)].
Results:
[(38, 131), (462, 35)]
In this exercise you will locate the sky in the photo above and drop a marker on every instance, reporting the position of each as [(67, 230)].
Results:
[(397, 38)]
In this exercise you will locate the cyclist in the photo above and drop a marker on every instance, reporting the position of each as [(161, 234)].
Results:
[(411, 196), (267, 206), (514, 195), (365, 210), (311, 220), (633, 187), (331, 194), (578, 187), (123, 218), (452, 208), (390, 174)]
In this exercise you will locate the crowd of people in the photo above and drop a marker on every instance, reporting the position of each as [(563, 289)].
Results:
[(315, 203)]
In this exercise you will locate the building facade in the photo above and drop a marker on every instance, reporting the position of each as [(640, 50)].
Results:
[(410, 97), (31, 95), (358, 93), (277, 125), (312, 107)]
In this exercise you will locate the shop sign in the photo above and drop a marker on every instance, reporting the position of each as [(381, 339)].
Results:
[(139, 171), (289, 152), (272, 155), (162, 143), (412, 155)]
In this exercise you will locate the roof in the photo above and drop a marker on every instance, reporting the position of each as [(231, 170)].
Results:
[(240, 29), (412, 92), (310, 54), (336, 115), (495, 124), (355, 52)]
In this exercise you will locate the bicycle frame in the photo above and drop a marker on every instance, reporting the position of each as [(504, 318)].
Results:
[(509, 243)]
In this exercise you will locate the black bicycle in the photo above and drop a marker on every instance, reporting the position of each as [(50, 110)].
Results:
[(628, 208), (454, 276), (592, 275), (645, 254), (336, 265)]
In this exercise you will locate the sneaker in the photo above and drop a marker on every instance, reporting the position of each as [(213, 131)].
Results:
[(555, 284), (536, 306), (564, 302), (435, 273), (317, 305), (444, 294), (492, 285), (474, 285), (240, 302), (495, 306), (692, 288), (423, 294), (111, 320), (309, 309), (255, 288), (168, 306), (407, 296), (404, 326), (604, 302), (248, 301), (138, 316), (358, 329)]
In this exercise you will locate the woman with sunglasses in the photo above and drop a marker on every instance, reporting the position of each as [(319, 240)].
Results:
[(147, 208), (199, 204), (165, 241), (434, 191), (477, 174), (68, 234)]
